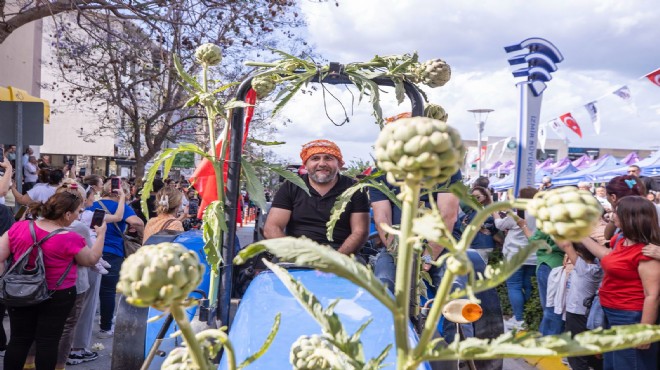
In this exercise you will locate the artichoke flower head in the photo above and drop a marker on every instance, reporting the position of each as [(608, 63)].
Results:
[(208, 54), (159, 275), (565, 213), (419, 149)]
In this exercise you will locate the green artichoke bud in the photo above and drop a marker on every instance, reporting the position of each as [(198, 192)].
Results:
[(180, 359), (435, 111), (263, 85), (208, 54), (288, 65), (315, 352), (565, 213), (159, 275), (433, 73), (419, 149)]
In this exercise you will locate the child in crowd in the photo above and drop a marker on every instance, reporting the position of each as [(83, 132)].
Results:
[(581, 287)]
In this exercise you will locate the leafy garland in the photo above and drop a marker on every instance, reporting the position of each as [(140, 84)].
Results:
[(294, 73)]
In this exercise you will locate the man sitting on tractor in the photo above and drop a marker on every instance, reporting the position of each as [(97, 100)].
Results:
[(294, 213)]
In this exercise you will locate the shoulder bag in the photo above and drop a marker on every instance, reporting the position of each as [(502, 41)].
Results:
[(21, 287), (131, 243)]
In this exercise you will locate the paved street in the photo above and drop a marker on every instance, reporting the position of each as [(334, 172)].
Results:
[(245, 236)]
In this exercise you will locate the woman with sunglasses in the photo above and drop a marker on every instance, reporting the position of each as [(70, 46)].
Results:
[(43, 323), (484, 241)]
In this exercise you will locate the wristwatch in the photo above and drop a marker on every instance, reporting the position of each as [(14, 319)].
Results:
[(427, 259)]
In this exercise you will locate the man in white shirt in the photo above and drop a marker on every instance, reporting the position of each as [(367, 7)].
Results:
[(30, 174)]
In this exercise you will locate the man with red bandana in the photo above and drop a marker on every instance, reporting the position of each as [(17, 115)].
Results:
[(294, 213)]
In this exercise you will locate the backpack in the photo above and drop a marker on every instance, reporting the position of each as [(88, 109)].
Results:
[(21, 287)]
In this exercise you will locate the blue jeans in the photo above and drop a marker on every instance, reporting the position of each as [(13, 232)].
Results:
[(628, 359), (108, 289), (385, 268), (551, 323), (519, 287)]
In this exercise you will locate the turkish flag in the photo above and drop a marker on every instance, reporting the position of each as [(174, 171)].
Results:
[(654, 76), (571, 123), (203, 179)]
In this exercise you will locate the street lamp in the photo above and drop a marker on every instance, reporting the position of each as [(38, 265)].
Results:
[(480, 115)]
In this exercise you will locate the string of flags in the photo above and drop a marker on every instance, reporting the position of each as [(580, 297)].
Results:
[(567, 120)]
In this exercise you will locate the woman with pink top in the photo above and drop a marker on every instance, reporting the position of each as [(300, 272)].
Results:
[(43, 323)]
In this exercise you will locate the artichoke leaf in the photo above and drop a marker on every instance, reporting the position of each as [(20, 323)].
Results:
[(305, 252)]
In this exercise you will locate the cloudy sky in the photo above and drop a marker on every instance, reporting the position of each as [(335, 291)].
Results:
[(606, 44)]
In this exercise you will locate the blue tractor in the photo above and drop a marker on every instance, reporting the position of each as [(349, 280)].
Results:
[(250, 296)]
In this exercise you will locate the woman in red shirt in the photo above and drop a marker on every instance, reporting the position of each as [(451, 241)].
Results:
[(630, 292)]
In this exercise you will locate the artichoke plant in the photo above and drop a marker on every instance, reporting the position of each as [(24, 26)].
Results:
[(420, 149), (263, 85), (159, 275), (315, 352), (435, 111), (433, 73), (208, 54), (565, 213)]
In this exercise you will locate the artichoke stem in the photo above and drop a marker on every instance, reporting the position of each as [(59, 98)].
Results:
[(434, 313), (194, 348), (410, 191)]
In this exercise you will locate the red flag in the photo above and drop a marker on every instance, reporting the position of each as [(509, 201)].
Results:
[(482, 153), (203, 179), (654, 76), (571, 123)]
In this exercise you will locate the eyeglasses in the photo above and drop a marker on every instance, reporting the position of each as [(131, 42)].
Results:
[(632, 171)]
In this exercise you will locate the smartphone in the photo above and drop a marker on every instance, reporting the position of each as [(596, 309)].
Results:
[(70, 163), (2, 154), (19, 214), (97, 218), (114, 183)]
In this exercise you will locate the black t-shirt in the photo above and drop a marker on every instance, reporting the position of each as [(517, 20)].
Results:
[(309, 214)]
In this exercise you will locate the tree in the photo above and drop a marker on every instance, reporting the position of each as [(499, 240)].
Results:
[(123, 69), (14, 14)]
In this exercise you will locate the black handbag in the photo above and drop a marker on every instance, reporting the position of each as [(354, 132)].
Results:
[(20, 286)]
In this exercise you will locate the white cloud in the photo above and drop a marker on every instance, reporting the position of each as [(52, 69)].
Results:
[(606, 44)]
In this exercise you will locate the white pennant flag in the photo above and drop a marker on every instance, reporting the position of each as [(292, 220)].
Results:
[(543, 135), (558, 128), (624, 93), (595, 117), (491, 151), (504, 144)]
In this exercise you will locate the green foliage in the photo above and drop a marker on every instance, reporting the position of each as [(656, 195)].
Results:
[(264, 347), (166, 159), (332, 328), (305, 252), (252, 184), (513, 344), (213, 226)]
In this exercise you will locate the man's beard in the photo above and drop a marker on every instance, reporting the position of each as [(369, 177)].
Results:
[(323, 178)]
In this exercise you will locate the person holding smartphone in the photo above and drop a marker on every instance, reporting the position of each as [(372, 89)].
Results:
[(113, 249), (5, 179)]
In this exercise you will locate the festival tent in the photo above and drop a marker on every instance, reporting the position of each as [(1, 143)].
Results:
[(583, 162), (493, 168), (507, 182), (604, 163), (631, 158), (546, 164), (568, 170), (560, 165), (650, 167), (506, 167)]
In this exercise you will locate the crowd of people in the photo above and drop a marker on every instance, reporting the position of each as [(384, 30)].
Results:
[(610, 278), (58, 331)]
